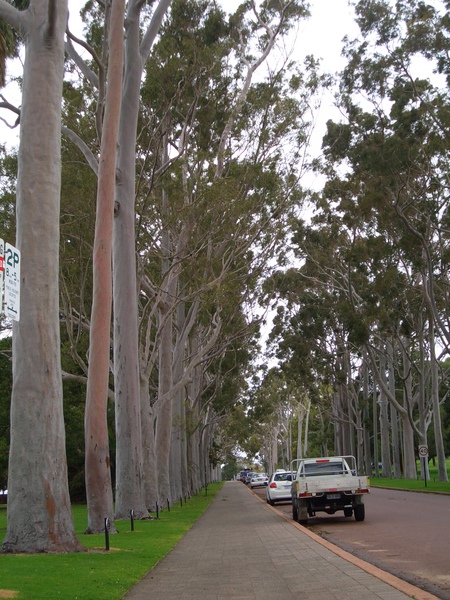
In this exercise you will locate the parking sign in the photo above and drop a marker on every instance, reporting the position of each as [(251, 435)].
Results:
[(12, 282), (2, 258)]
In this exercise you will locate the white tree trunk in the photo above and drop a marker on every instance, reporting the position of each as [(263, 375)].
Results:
[(129, 492), (164, 410), (394, 415), (149, 472), (178, 458), (193, 422), (440, 451), (409, 458), (39, 511), (384, 425)]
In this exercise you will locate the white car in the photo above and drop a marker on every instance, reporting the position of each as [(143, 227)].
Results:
[(279, 487), (258, 480)]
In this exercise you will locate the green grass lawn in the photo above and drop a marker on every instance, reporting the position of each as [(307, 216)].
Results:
[(97, 574), (431, 485)]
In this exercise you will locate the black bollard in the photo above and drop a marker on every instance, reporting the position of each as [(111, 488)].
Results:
[(168, 505), (181, 501), (157, 511), (106, 533), (132, 519)]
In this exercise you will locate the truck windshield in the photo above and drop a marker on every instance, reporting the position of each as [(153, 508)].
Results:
[(324, 468)]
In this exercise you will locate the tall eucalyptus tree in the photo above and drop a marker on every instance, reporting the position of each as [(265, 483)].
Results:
[(39, 511), (98, 462)]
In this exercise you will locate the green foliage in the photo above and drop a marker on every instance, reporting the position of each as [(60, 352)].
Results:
[(8, 175), (230, 469), (9, 40)]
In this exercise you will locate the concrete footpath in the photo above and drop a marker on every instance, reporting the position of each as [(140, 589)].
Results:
[(243, 549)]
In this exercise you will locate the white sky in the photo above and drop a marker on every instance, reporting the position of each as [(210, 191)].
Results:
[(322, 33)]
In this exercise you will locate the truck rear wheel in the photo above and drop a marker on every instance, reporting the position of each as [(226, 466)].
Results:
[(303, 515), (359, 512)]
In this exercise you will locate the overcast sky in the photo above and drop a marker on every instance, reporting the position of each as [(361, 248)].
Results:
[(320, 35)]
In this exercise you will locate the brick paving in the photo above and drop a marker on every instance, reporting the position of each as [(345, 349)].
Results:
[(241, 549)]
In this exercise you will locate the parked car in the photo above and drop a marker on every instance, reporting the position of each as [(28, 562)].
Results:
[(279, 487), (258, 480), (242, 475), (248, 477)]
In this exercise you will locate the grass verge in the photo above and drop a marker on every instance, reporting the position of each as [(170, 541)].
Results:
[(97, 574), (417, 485), (431, 485)]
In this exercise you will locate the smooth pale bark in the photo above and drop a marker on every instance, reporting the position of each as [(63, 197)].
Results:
[(165, 382), (148, 356), (164, 418), (375, 417), (178, 451), (439, 441), (394, 415), (301, 413), (129, 490), (421, 397), (193, 423), (384, 424), (409, 457), (365, 417), (176, 448), (39, 511), (352, 410), (97, 458), (193, 457), (204, 447), (149, 471)]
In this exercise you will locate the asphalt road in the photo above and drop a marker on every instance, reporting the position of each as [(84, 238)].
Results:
[(404, 533)]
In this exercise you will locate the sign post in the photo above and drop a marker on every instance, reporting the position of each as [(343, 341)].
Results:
[(12, 282), (423, 453), (2, 271)]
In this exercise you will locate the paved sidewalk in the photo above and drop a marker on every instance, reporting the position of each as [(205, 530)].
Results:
[(242, 549)]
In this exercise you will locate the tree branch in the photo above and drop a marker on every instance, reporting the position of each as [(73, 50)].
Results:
[(85, 150), (15, 18)]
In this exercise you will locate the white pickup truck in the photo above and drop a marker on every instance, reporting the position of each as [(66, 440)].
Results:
[(328, 485)]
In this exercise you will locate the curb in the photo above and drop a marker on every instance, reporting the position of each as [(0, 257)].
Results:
[(403, 586)]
